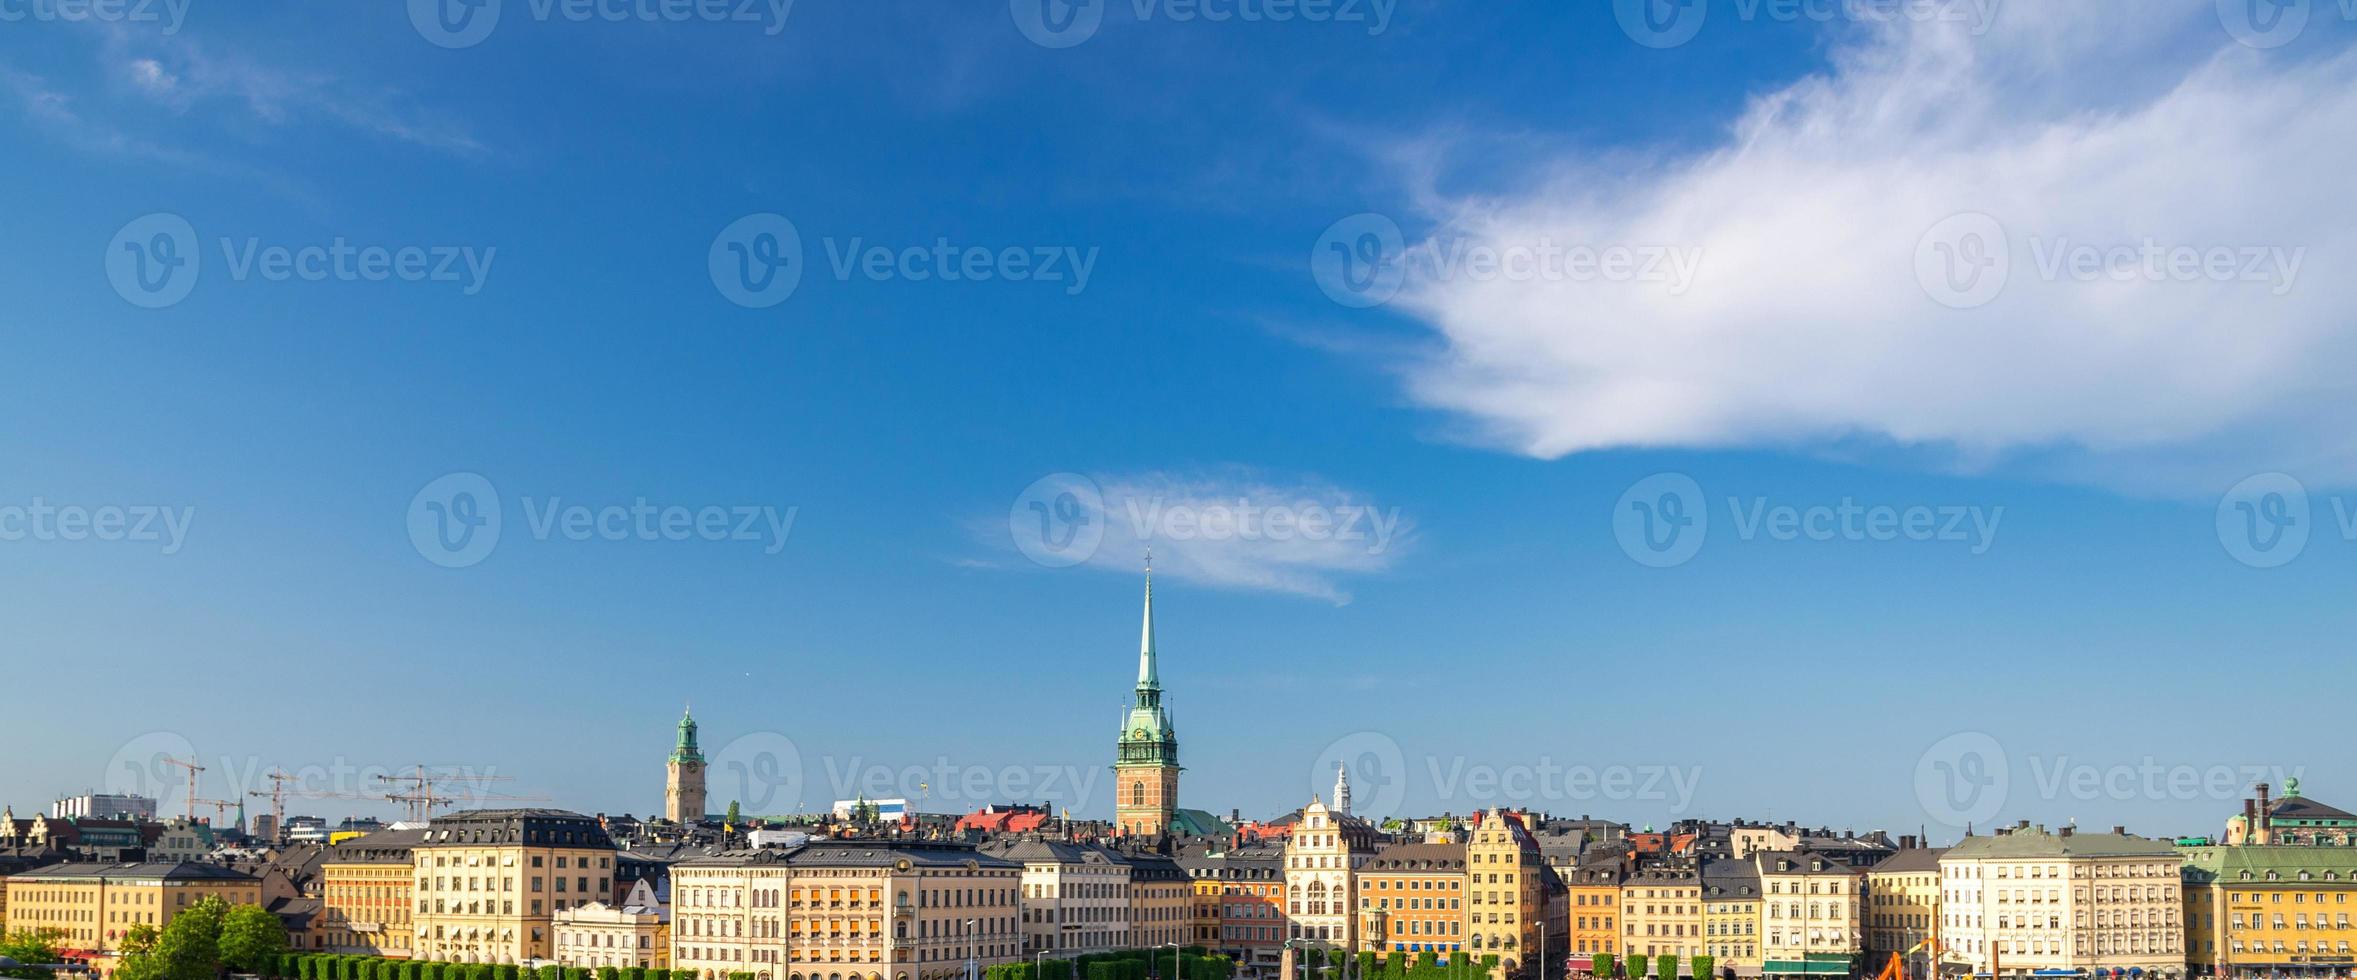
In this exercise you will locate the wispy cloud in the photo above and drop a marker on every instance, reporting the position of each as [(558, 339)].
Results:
[(179, 74), (1232, 529), (2147, 301)]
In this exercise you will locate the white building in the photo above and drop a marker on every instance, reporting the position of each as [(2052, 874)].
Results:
[(2062, 901), (105, 806)]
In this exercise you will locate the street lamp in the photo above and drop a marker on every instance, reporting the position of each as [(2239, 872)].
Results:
[(1174, 959)]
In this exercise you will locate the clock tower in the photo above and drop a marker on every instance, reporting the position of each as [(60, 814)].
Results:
[(1146, 769)]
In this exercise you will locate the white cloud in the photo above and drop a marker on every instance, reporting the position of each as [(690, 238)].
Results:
[(2101, 124), (1232, 529)]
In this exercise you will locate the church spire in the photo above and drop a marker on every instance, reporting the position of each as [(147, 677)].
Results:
[(1149, 677)]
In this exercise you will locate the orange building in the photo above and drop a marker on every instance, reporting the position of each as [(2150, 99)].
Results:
[(1412, 899)]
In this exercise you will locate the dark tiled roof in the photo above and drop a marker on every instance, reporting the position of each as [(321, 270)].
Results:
[(173, 870), (1914, 860)]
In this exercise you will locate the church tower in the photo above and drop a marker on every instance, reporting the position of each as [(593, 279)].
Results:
[(683, 790), (1146, 769)]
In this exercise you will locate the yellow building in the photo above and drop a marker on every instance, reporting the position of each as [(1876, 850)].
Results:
[(1903, 906), (846, 910), (1661, 914), (366, 895), (1810, 914), (2270, 911), (1161, 901), (1322, 856), (488, 883), (93, 906), (1505, 897), (1731, 915), (1412, 900)]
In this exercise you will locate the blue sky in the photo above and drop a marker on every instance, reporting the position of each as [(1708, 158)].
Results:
[(2095, 625)]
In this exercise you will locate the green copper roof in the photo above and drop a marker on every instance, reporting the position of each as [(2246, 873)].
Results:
[(1147, 736), (686, 750)]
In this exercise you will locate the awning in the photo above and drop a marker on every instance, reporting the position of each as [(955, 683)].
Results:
[(1839, 967)]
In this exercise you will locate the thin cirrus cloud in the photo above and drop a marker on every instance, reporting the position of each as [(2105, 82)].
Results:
[(1825, 312), (1230, 529)]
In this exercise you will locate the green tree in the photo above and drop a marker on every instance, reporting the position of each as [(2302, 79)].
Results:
[(1703, 966), (609, 973), (1667, 963), (734, 813), (251, 938), (30, 946), (1605, 962)]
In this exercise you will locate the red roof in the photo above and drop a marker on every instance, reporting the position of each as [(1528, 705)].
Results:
[(992, 820)]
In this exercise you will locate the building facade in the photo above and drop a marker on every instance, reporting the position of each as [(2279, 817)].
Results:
[(1731, 915), (683, 777), (1146, 759), (1505, 900), (488, 883), (1903, 907), (1595, 894), (2269, 911), (367, 895), (2063, 901), (1322, 858), (1809, 914), (92, 907), (1661, 915), (598, 934), (1412, 900), (846, 910)]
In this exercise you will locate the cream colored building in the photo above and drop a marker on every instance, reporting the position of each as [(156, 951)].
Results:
[(1810, 908), (1505, 901), (846, 910), (2062, 901), (488, 883), (1321, 856), (1075, 897), (1161, 901), (598, 934)]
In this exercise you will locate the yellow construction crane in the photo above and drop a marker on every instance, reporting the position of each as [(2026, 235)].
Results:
[(220, 809), (193, 769), (424, 795)]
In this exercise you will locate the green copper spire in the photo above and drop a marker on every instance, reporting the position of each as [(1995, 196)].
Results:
[(686, 751), (1147, 736)]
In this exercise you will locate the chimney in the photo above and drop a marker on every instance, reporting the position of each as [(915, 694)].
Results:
[(2250, 821), (2119, 830), (2067, 828), (2266, 817)]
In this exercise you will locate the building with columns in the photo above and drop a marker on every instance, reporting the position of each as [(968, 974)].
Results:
[(1322, 858), (1146, 766), (683, 785)]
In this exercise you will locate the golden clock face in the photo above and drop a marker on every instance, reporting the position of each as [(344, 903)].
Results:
[(1141, 733)]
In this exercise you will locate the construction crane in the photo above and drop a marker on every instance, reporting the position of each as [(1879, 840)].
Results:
[(278, 794), (424, 795), (1896, 969), (193, 769), (220, 809)]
